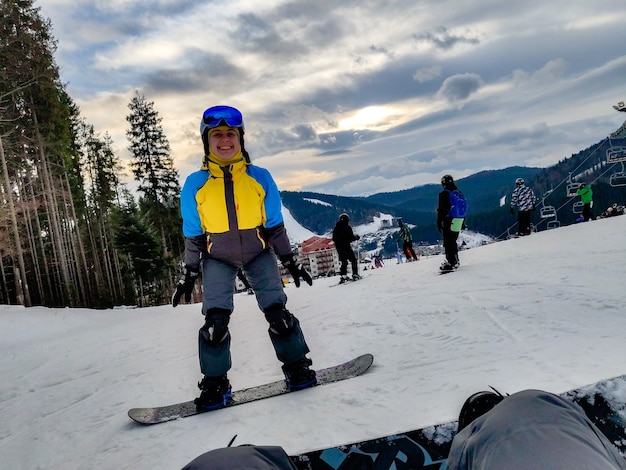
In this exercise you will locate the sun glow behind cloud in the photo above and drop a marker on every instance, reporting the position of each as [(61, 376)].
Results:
[(327, 88), (372, 117)]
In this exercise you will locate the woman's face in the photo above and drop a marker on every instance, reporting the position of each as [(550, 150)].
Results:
[(224, 142)]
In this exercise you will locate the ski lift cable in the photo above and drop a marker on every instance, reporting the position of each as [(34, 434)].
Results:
[(571, 199), (568, 179)]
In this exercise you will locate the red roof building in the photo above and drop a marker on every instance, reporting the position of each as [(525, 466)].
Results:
[(320, 256)]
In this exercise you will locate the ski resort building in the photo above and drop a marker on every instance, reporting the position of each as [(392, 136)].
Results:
[(319, 255)]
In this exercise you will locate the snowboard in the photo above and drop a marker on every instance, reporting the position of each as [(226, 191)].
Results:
[(446, 271), (161, 414), (349, 281), (427, 448)]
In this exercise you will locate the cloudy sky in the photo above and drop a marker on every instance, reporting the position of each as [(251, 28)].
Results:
[(354, 97)]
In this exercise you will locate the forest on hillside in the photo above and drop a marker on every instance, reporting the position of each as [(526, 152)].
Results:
[(71, 234)]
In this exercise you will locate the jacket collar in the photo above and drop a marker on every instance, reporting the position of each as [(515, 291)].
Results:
[(217, 168)]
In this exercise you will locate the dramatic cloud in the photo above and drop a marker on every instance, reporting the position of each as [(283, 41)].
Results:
[(354, 97), (460, 87), (444, 39)]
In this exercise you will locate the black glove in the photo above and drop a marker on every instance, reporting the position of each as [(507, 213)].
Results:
[(185, 286), (512, 211), (296, 270)]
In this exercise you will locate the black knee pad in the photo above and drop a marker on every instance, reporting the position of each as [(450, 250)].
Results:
[(280, 319), (215, 329)]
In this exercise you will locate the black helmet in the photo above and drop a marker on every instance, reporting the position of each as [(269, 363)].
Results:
[(446, 180), (519, 181), (344, 217), (477, 405)]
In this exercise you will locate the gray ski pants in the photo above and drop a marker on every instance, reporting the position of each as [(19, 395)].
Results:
[(532, 430), (218, 285)]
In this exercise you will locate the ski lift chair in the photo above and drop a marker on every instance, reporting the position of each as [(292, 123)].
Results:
[(572, 188), (616, 154), (547, 212), (618, 179), (578, 207), (553, 224)]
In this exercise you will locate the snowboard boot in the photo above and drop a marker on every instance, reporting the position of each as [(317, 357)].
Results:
[(215, 392), (477, 405), (343, 279), (356, 277), (299, 374), (445, 267)]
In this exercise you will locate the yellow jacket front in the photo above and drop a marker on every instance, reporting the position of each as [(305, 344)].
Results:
[(231, 213)]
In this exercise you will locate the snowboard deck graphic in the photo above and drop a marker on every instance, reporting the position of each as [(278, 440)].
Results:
[(427, 448), (161, 414)]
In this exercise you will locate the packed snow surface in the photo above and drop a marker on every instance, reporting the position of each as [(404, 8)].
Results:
[(544, 311)]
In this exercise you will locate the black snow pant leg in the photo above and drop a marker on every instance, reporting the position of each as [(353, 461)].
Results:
[(450, 246), (523, 222), (344, 256)]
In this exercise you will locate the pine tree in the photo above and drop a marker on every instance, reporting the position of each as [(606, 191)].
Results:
[(101, 170), (32, 117), (138, 245), (153, 168)]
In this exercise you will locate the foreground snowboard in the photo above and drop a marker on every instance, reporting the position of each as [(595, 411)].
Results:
[(336, 373), (428, 448)]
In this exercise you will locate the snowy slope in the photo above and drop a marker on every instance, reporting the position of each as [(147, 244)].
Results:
[(545, 311), (371, 232)]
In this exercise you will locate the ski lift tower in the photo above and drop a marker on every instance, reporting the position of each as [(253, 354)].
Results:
[(616, 153), (620, 107)]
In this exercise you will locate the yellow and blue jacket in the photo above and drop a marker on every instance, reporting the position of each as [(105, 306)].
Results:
[(231, 213)]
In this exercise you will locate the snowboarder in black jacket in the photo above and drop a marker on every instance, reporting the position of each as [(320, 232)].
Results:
[(343, 236), (448, 226)]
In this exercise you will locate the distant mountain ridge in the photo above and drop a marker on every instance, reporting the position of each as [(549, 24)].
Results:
[(417, 206), (484, 190)]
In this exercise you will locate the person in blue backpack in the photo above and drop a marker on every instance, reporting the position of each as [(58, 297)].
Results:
[(232, 220), (451, 212)]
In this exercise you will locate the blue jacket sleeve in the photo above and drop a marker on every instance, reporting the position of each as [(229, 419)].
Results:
[(273, 207), (189, 206), (275, 231)]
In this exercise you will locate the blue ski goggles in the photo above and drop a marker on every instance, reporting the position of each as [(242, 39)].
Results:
[(220, 115)]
